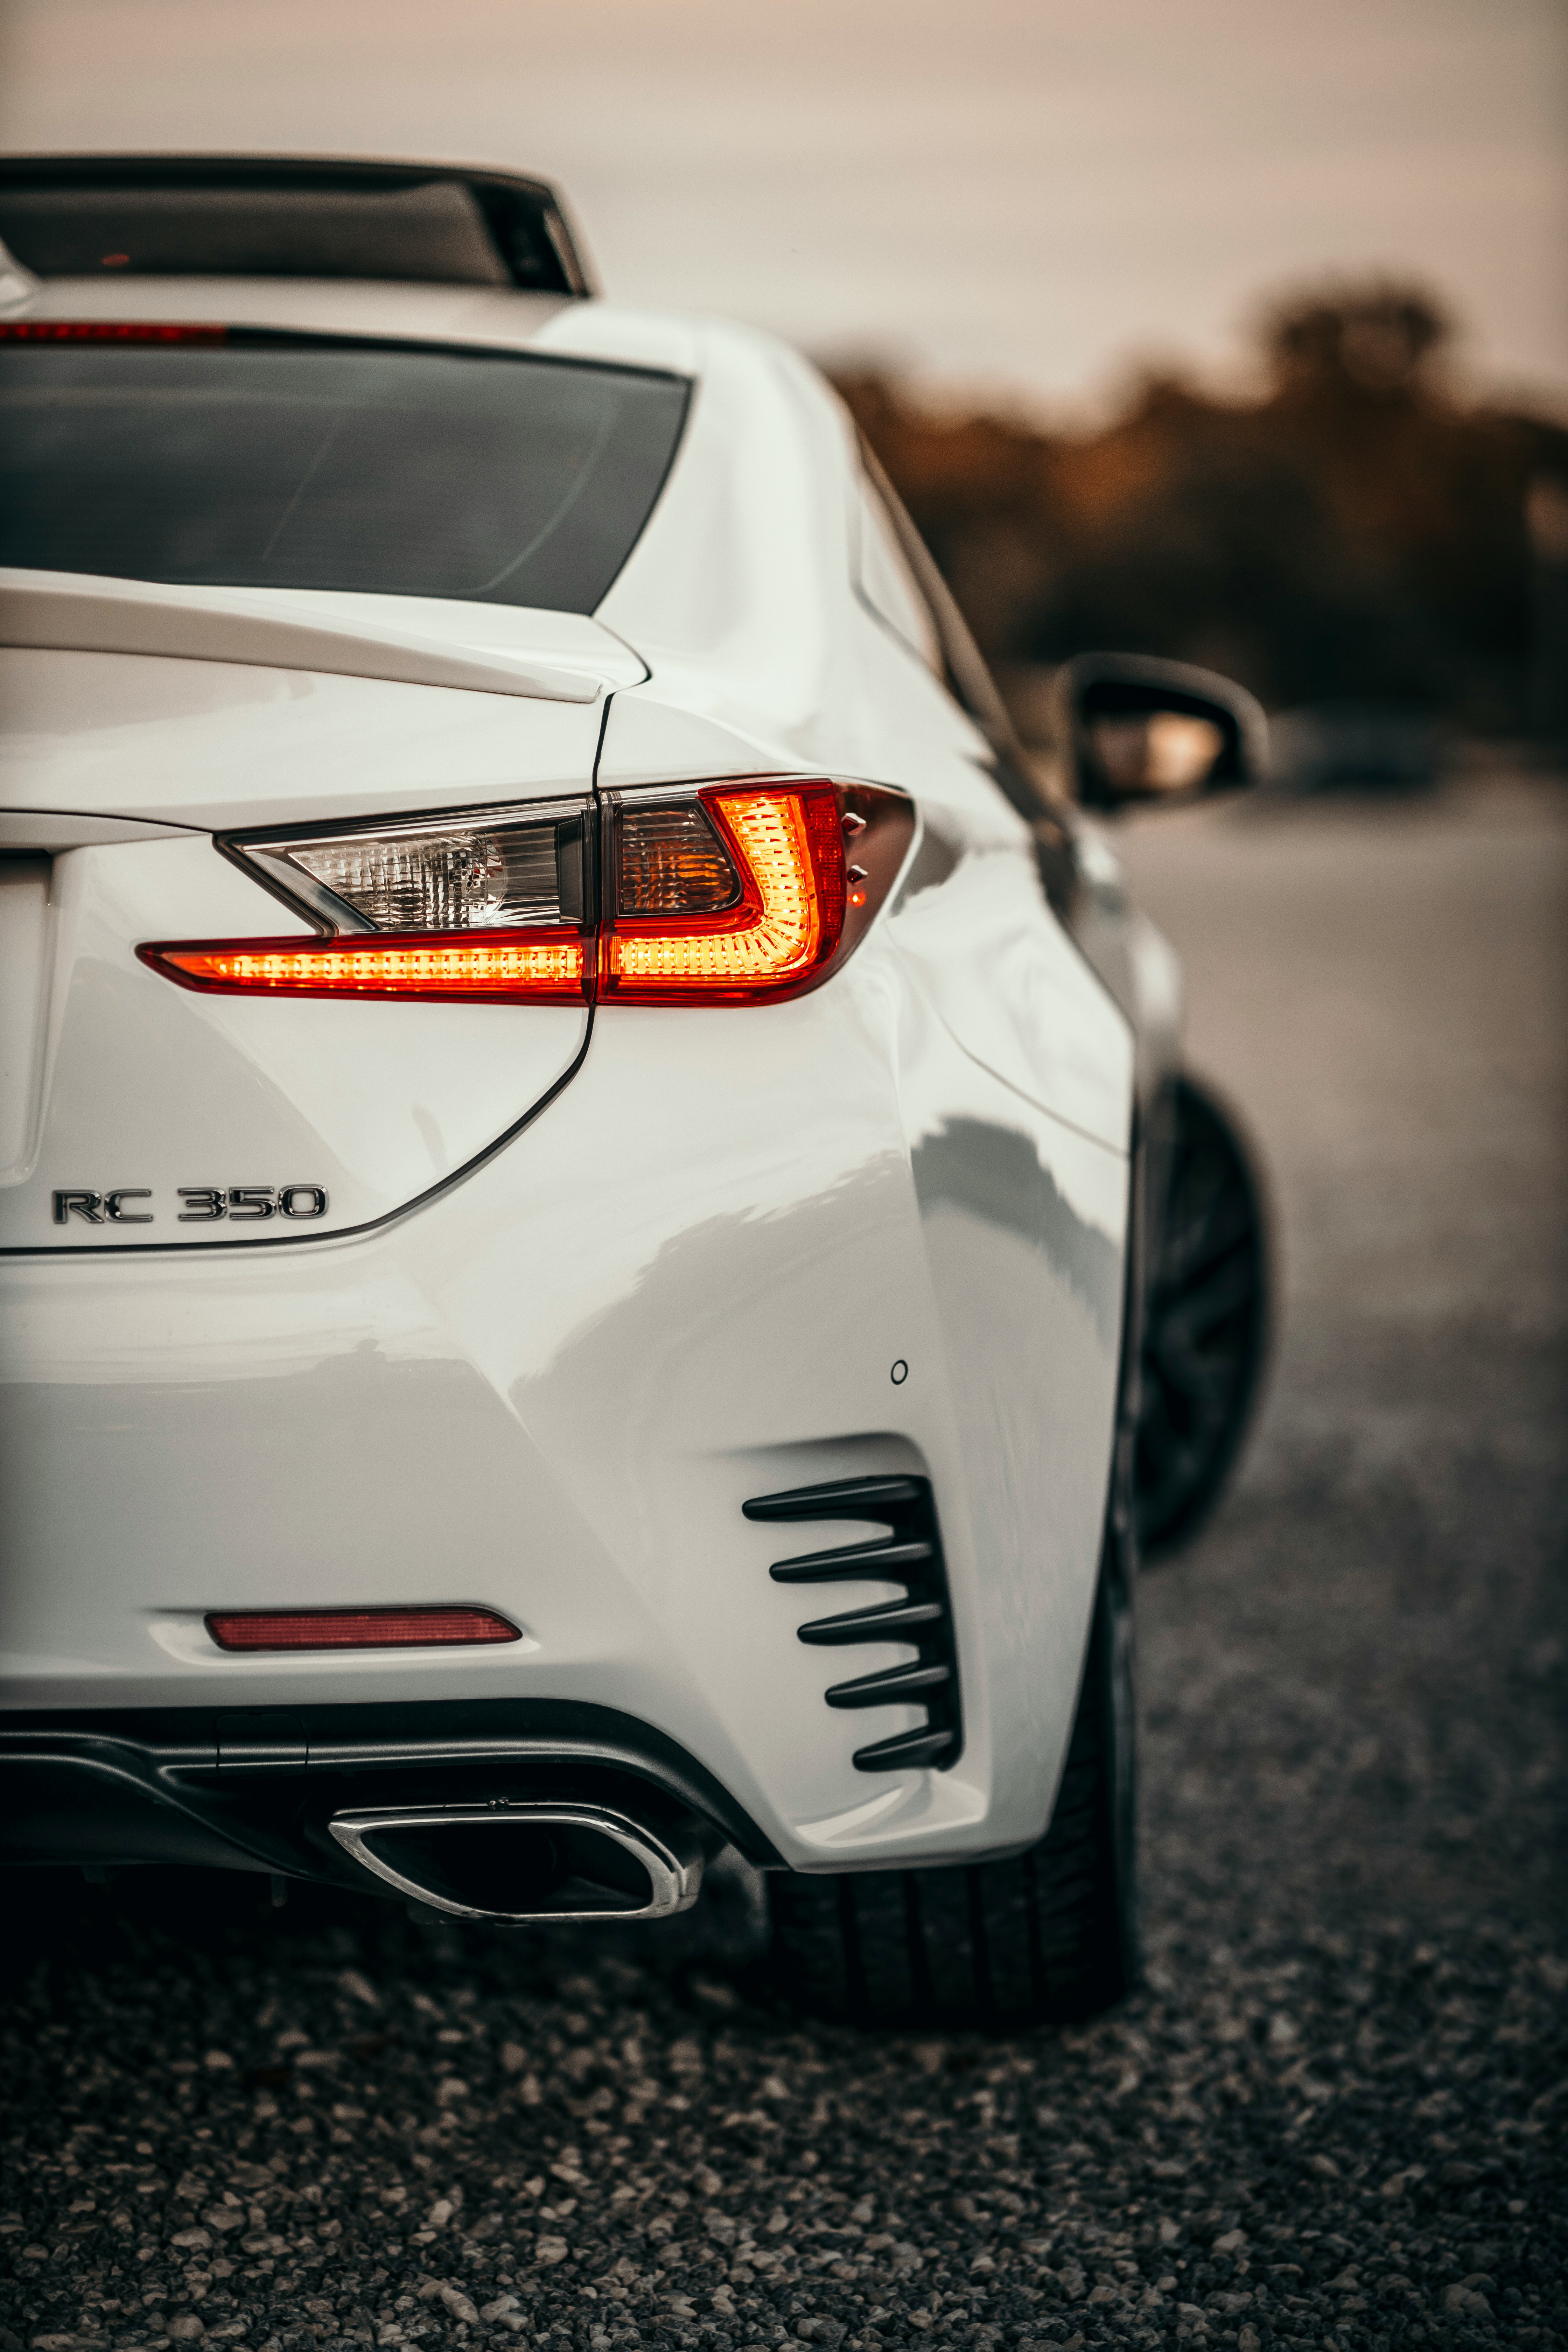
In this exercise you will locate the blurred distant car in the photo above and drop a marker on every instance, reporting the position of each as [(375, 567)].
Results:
[(606, 1246), (1371, 747)]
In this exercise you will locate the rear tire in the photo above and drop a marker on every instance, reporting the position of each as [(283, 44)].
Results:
[(1206, 1325), (1048, 1936)]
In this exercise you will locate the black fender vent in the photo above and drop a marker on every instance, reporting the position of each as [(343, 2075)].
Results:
[(910, 1556)]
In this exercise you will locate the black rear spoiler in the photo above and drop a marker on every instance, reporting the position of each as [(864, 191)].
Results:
[(287, 216)]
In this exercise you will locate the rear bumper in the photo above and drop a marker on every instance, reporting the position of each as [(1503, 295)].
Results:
[(551, 1394), (256, 1789)]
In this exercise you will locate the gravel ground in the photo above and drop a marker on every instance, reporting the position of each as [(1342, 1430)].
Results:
[(1335, 2116)]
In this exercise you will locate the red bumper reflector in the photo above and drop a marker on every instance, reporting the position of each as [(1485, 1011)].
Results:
[(354, 1628)]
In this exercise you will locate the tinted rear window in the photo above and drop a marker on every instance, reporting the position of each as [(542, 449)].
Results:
[(278, 464)]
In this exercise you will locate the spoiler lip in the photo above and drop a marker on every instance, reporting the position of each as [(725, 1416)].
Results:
[(81, 613), (506, 200)]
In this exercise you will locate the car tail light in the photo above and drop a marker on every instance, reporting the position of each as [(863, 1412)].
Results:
[(781, 920), (354, 1628), (719, 894)]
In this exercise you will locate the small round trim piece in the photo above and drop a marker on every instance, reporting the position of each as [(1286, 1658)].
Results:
[(901, 1374)]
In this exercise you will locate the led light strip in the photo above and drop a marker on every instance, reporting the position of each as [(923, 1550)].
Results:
[(780, 942), (471, 964), (787, 843)]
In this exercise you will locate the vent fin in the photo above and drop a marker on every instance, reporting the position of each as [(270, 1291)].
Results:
[(892, 1558), (910, 1556), (906, 1749), (892, 1683), (889, 1621)]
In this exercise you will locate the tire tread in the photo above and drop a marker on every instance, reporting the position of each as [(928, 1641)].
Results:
[(1046, 1937)]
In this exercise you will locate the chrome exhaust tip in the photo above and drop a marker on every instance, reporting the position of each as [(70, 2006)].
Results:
[(522, 1862)]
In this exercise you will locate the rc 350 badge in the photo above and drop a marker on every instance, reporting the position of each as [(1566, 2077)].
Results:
[(202, 1204)]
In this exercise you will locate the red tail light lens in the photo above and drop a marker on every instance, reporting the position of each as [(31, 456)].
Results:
[(735, 893), (787, 846), (483, 967), (354, 1628)]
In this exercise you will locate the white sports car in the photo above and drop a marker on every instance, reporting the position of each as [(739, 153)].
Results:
[(587, 1151)]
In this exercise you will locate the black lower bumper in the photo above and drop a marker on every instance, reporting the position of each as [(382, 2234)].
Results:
[(254, 1789)]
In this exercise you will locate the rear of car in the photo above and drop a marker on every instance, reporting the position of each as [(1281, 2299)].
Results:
[(545, 1111)]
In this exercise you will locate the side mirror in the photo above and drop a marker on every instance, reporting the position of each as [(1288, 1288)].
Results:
[(1135, 731)]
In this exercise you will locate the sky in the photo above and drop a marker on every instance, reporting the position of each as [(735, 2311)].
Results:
[(1024, 200)]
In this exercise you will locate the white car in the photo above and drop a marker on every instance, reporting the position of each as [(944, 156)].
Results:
[(582, 1134)]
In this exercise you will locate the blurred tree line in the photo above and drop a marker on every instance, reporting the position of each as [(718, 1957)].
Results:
[(1353, 533)]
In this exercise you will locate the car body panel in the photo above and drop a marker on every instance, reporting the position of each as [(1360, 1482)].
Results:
[(882, 1228), (156, 1091), (407, 640), (556, 1398), (225, 745)]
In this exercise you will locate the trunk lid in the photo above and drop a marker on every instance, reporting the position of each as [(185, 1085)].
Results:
[(117, 769)]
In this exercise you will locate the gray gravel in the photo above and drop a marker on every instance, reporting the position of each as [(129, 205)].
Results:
[(1334, 2117)]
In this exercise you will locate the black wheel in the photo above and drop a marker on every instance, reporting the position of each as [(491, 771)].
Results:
[(1205, 1328), (1048, 1936)]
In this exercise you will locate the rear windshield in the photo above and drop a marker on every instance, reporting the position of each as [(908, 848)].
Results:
[(251, 462)]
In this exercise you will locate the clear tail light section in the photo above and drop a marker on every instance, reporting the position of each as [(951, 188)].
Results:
[(732, 893), (448, 881)]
